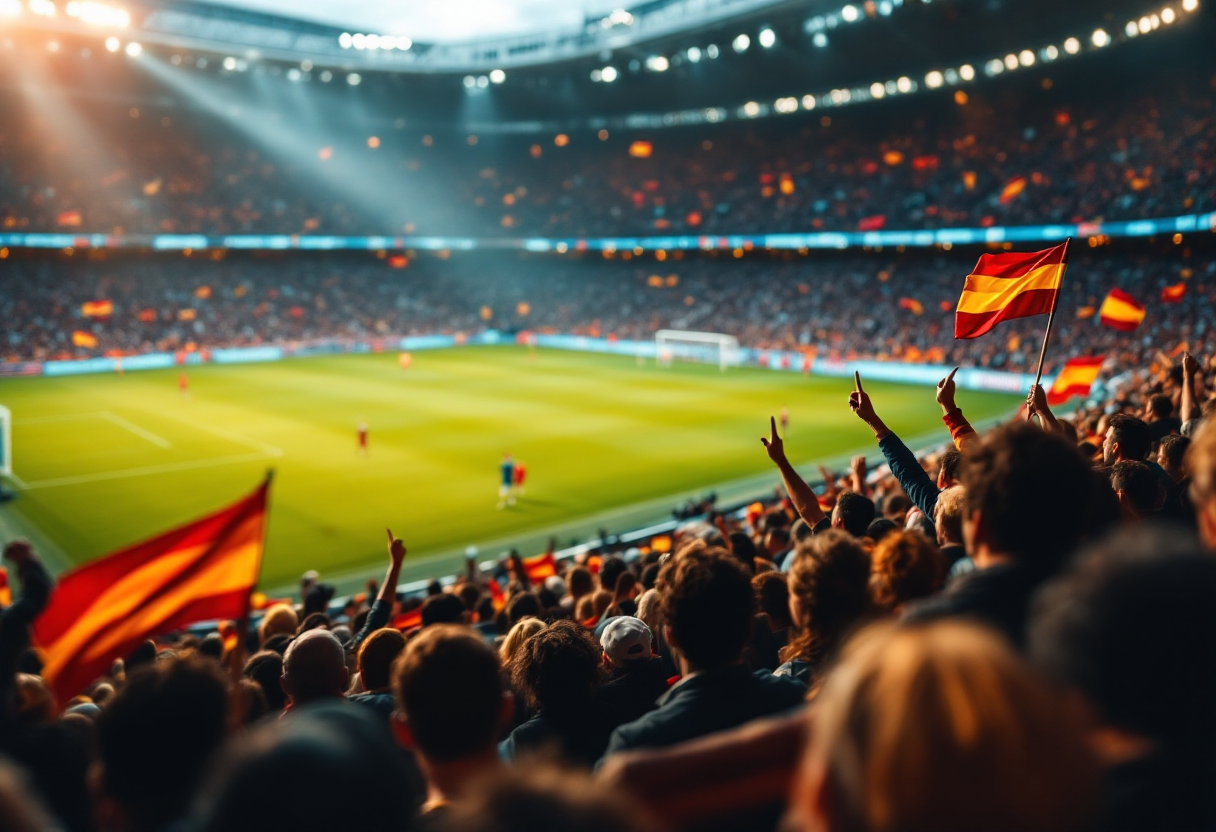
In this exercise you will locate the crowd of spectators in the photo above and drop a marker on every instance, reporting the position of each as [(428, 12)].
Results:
[(1116, 154), (1013, 633), (885, 306)]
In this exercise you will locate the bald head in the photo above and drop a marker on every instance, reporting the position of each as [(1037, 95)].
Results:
[(314, 667)]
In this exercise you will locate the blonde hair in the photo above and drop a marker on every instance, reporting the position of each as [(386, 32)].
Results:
[(942, 728), (281, 618), (521, 632)]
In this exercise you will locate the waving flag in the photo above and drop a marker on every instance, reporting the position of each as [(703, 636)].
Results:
[(1008, 286), (540, 567), (197, 572), (80, 338), (1121, 311), (98, 309), (1075, 379), (912, 305), (1173, 294)]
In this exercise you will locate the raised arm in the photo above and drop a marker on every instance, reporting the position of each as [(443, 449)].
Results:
[(1188, 407), (960, 429), (1036, 405), (382, 609), (801, 494)]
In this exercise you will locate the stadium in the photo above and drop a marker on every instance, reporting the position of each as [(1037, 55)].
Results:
[(716, 368)]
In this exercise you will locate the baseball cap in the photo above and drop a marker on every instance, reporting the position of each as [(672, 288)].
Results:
[(624, 639)]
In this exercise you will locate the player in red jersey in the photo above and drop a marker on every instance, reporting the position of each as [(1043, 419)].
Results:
[(362, 437), (183, 384), (521, 474)]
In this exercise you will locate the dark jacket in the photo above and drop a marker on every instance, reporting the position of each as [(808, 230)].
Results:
[(998, 596), (15, 621), (382, 703), (920, 488), (706, 703), (580, 736), (635, 689)]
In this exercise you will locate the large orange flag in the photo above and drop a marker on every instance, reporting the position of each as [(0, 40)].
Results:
[(1075, 378), (200, 571), (1007, 286)]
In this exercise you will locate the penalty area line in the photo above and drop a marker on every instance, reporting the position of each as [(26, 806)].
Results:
[(127, 424), (148, 470)]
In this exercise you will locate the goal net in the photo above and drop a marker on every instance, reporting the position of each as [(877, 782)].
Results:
[(704, 347)]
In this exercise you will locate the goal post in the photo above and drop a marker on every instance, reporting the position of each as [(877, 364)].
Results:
[(705, 347), (6, 442)]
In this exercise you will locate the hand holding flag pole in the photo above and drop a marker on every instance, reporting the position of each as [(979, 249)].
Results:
[(1038, 376)]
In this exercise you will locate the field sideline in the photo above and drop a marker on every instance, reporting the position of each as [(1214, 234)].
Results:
[(106, 460)]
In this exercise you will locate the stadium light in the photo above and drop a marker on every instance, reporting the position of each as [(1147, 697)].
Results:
[(905, 85), (294, 74), (1011, 61), (966, 72), (134, 50), (113, 44), (1049, 53), (767, 38), (1190, 5), (1026, 57), (1146, 25), (657, 63), (741, 43), (820, 39), (1099, 38), (354, 79), (808, 102), (326, 76), (934, 79), (877, 90), (497, 76), (1072, 46), (1167, 15), (10, 8), (43, 8), (711, 51), (609, 74), (229, 64), (850, 14), (98, 14), (694, 54), (482, 82), (345, 41)]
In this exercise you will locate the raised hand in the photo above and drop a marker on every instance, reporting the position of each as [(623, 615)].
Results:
[(945, 392), (774, 444), (396, 549), (858, 466), (859, 403), (1189, 365), (1036, 399)]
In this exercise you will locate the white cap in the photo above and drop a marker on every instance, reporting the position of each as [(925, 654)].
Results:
[(626, 638)]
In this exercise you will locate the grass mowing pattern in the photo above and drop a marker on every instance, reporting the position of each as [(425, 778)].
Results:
[(107, 460)]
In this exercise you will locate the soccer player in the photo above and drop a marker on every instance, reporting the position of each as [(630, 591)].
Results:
[(785, 422), (521, 473), (183, 384), (506, 494), (362, 438)]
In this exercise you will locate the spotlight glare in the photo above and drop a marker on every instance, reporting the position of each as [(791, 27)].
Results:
[(113, 44), (608, 74), (344, 40), (694, 54), (1011, 61), (966, 72), (482, 82), (934, 79), (1131, 30), (1099, 38), (354, 79), (10, 8), (808, 102), (1190, 5), (711, 51), (1167, 15), (1050, 53), (741, 43), (1146, 25), (134, 50), (820, 39), (768, 38), (1026, 57), (326, 76), (904, 84), (657, 63), (877, 90), (497, 76), (1072, 46), (850, 13)]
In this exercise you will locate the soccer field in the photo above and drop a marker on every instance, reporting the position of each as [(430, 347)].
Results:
[(105, 460)]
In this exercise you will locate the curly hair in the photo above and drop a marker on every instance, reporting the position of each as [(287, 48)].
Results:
[(905, 566), (706, 601), (830, 579), (557, 669)]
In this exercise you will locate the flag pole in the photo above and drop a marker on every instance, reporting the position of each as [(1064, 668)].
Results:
[(1051, 316)]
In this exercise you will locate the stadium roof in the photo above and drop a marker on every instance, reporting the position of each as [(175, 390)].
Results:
[(441, 21)]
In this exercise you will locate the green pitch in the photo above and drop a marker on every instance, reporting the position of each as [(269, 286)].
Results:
[(104, 461)]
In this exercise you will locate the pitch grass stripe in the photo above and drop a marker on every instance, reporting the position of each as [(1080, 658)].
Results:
[(135, 429), (150, 469), (227, 434)]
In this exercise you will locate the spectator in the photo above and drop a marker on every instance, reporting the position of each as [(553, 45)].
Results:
[(949, 523), (558, 672), (773, 600), (706, 604), (521, 632), (1138, 489), (941, 728), (905, 567), (451, 706), (444, 608), (1171, 456), (1201, 464), (16, 618), (544, 800), (1161, 419), (329, 768), (375, 663), (266, 668), (1127, 438), (154, 741), (829, 596), (1011, 475), (580, 583), (279, 619), (1131, 627), (314, 668), (637, 679)]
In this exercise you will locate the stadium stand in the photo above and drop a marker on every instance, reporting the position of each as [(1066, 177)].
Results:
[(1013, 631)]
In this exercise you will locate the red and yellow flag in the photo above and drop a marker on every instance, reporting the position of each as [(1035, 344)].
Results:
[(912, 305), (1007, 286), (80, 338), (408, 620), (1173, 294), (1075, 379), (540, 567), (1121, 311), (197, 572), (97, 308)]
